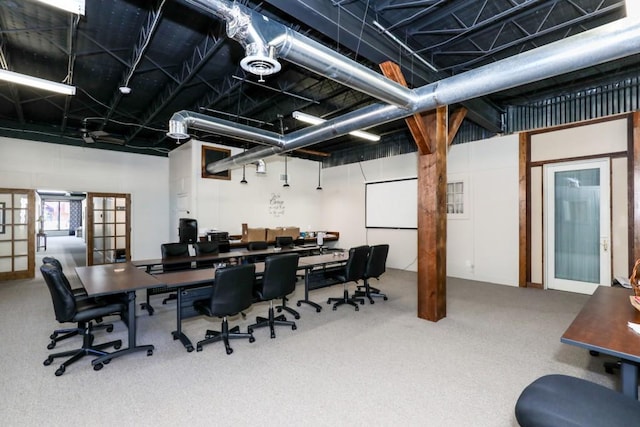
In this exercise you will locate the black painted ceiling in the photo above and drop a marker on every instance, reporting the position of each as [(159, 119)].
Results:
[(176, 57)]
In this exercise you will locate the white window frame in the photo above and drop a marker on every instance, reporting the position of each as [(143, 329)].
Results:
[(466, 207)]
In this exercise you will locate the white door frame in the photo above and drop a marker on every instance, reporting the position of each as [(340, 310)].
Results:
[(549, 170)]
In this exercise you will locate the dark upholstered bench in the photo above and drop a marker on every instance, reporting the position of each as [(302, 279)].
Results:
[(564, 401)]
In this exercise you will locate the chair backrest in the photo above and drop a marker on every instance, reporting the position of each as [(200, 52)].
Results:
[(279, 277), (64, 303), (376, 264), (232, 289), (284, 242), (357, 263), (257, 246), (205, 248), (53, 261), (174, 250)]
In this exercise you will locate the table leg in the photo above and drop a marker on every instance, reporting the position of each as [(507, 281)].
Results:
[(629, 374), (178, 334), (131, 325), (306, 299), (147, 305)]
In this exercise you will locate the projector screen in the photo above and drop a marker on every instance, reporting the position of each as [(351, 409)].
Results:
[(392, 204)]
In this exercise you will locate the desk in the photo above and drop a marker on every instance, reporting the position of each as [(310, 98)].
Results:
[(601, 326), (148, 264), (41, 239), (113, 279), (308, 263), (186, 281)]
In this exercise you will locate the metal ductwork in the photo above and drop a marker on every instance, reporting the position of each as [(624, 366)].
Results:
[(606, 43)]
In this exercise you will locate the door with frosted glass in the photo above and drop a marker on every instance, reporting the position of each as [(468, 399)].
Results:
[(577, 226), (108, 224), (17, 234)]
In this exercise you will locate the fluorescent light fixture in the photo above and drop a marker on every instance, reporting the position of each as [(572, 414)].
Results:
[(73, 6), (633, 8), (313, 120), (23, 79)]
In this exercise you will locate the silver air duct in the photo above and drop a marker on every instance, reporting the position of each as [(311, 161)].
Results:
[(606, 43)]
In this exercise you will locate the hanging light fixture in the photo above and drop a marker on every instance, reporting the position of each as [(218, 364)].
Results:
[(244, 179), (286, 175), (319, 187)]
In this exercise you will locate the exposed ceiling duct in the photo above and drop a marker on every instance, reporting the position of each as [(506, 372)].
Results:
[(596, 46)]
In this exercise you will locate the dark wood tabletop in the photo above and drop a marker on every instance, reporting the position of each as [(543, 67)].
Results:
[(601, 325), (114, 278)]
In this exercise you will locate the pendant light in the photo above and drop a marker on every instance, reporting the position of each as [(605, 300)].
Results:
[(244, 179), (319, 187), (286, 175)]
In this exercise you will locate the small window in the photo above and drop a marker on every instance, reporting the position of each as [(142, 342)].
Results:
[(457, 198)]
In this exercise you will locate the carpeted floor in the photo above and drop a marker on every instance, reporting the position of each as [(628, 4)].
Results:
[(381, 366)]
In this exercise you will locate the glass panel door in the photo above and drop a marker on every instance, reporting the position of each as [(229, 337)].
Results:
[(108, 223), (17, 234), (577, 258)]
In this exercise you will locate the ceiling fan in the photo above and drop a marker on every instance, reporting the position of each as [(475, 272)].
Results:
[(91, 137)]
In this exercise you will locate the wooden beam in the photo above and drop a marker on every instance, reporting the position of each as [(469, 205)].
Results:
[(416, 124), (633, 176), (524, 210), (455, 121), (312, 152), (432, 221)]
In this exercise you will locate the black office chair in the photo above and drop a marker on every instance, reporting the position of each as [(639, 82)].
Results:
[(80, 294), (352, 272), (376, 266), (69, 309), (285, 242), (232, 293), (174, 250), (561, 400), (205, 248), (278, 281), (256, 246)]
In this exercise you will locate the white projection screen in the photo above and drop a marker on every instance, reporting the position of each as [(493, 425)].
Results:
[(392, 204)]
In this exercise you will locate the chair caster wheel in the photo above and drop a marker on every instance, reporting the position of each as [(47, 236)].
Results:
[(252, 339), (117, 346), (335, 308), (98, 366), (229, 350), (385, 298), (294, 327), (250, 330), (318, 310), (189, 349), (106, 362), (357, 308), (47, 362), (298, 304), (199, 348), (297, 316), (51, 345), (149, 352), (273, 336), (109, 328), (60, 371), (53, 336)]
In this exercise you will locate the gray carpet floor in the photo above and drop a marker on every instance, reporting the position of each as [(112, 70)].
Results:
[(380, 366)]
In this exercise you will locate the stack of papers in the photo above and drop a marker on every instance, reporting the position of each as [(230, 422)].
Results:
[(623, 281), (634, 326)]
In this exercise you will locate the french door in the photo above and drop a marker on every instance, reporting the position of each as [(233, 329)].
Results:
[(108, 228), (577, 225), (17, 234)]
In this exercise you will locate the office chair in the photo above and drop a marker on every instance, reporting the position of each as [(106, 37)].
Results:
[(285, 242), (69, 309), (279, 279), (174, 250), (205, 248), (352, 272), (80, 294), (256, 246), (561, 400), (232, 293), (376, 266)]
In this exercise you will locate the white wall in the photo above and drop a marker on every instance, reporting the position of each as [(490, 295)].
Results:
[(36, 165)]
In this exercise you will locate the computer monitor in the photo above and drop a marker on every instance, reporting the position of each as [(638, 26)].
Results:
[(284, 242)]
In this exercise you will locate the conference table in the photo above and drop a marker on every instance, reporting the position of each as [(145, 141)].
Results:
[(221, 257), (195, 284), (318, 262), (601, 326), (109, 279)]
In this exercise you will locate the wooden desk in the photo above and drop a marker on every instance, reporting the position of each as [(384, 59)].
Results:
[(601, 326), (113, 279)]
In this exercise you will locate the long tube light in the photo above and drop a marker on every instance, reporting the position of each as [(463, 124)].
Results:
[(73, 6), (313, 120), (633, 8), (23, 79)]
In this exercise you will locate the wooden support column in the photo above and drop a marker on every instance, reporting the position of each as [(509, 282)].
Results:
[(432, 221), (633, 177)]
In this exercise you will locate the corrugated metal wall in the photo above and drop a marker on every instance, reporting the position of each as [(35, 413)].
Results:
[(607, 99)]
